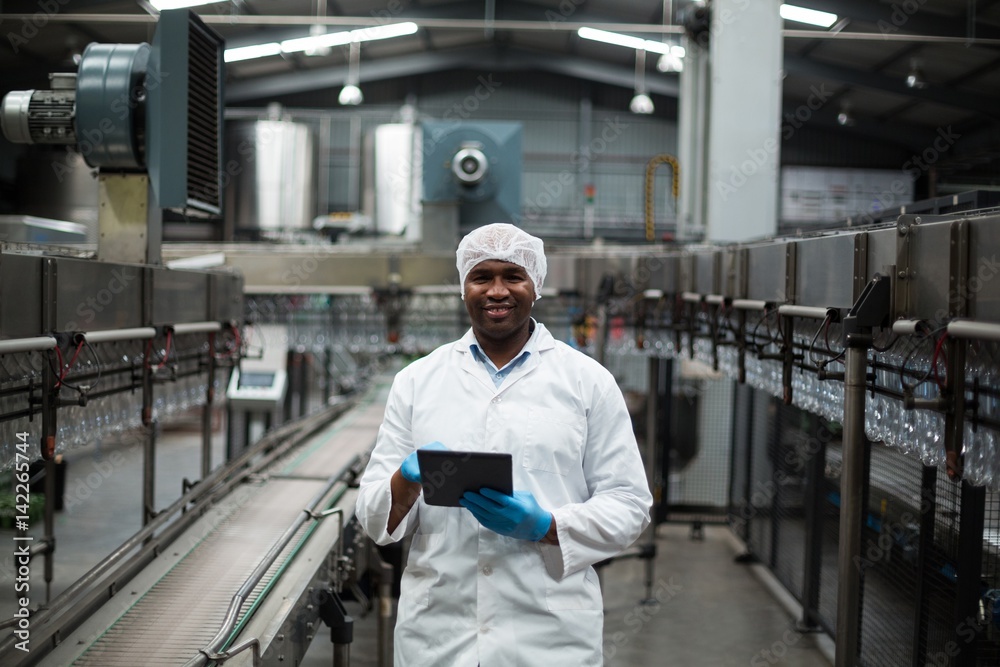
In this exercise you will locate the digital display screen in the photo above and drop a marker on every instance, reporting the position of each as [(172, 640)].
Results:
[(256, 379)]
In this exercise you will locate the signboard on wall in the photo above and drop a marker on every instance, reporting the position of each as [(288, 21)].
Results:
[(829, 195)]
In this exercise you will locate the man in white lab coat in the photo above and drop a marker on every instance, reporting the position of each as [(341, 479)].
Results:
[(506, 580)]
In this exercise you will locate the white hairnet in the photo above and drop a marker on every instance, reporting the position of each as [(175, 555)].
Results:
[(506, 243)]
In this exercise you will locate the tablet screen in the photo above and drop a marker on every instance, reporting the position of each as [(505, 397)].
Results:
[(446, 475)]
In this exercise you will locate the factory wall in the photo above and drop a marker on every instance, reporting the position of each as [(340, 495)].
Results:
[(562, 151)]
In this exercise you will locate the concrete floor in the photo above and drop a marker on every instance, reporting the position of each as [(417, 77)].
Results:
[(711, 611)]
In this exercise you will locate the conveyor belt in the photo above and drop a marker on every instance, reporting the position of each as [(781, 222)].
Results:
[(181, 613), (176, 606)]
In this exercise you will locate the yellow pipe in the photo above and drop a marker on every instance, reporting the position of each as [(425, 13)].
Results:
[(651, 166)]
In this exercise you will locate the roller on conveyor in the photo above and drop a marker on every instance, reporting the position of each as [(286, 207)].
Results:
[(244, 572)]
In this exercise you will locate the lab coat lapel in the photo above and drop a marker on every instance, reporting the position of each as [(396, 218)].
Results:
[(470, 364), (544, 342)]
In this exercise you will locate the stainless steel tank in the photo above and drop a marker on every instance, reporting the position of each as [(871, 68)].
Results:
[(269, 174)]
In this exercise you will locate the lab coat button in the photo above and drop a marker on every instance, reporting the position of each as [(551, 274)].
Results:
[(483, 630), (487, 570)]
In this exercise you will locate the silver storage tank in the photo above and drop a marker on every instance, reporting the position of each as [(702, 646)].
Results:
[(269, 173)]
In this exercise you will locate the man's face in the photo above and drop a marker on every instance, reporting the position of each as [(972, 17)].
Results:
[(498, 296)]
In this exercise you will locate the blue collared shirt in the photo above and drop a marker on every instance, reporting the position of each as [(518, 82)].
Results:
[(498, 375)]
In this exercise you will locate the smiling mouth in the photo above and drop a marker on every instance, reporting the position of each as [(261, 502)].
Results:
[(498, 311)]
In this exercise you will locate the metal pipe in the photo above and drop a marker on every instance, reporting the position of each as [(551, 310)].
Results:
[(811, 312), (906, 327), (27, 344), (355, 21), (138, 333), (749, 304), (206, 411), (851, 509), (385, 611), (973, 330), (341, 655), (601, 344), (691, 297), (652, 438), (196, 327)]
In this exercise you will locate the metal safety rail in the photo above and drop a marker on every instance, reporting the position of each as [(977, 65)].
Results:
[(209, 591)]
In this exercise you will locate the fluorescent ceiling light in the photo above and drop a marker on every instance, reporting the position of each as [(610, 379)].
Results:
[(160, 5), (252, 51), (329, 39), (322, 41), (383, 31), (627, 41), (810, 16)]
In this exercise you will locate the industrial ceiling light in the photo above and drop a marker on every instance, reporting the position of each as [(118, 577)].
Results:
[(641, 102), (330, 39), (810, 16), (628, 41), (915, 79), (350, 94), (321, 41), (673, 61), (845, 118), (160, 5), (252, 51)]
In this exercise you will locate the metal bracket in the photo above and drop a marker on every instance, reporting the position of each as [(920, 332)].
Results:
[(334, 615), (871, 310), (252, 644)]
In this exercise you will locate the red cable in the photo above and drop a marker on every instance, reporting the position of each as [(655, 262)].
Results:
[(166, 350), (72, 362), (62, 372), (934, 361)]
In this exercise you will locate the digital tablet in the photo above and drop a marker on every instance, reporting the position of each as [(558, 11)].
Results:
[(446, 474)]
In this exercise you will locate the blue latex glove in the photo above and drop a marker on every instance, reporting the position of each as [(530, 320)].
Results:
[(411, 467), (517, 516)]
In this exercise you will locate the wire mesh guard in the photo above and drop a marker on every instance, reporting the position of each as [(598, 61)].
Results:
[(923, 602)]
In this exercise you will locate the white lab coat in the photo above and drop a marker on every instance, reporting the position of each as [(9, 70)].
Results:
[(470, 596)]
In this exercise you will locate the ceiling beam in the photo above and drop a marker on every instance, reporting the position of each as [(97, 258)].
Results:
[(987, 105), (487, 59), (895, 18)]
